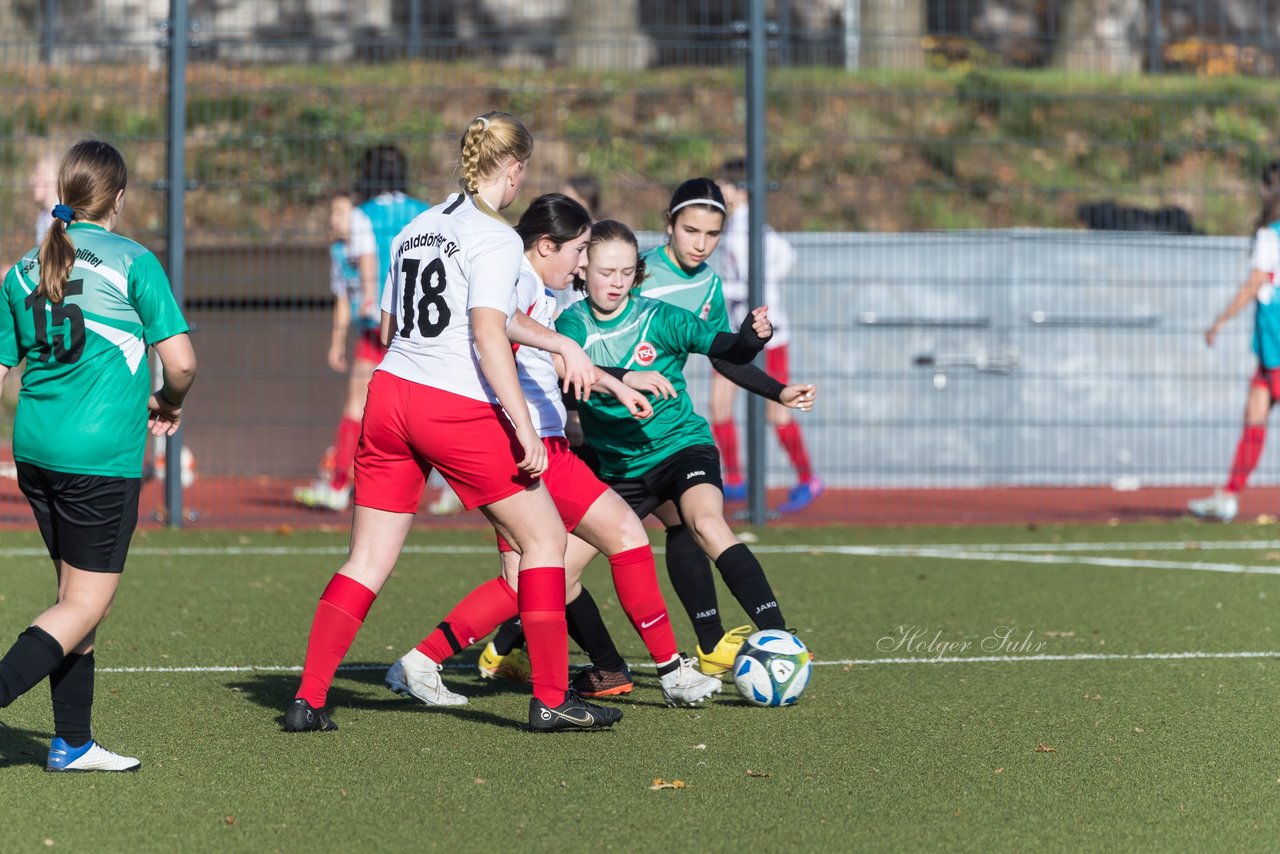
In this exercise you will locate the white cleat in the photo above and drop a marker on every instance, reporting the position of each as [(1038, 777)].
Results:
[(1221, 506), (89, 756), (447, 504), (323, 496), (415, 675), (687, 685)]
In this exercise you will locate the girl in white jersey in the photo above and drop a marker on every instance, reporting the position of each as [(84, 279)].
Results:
[(556, 230), (1264, 387), (436, 402)]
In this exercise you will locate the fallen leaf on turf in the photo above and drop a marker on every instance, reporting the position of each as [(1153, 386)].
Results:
[(285, 530), (479, 781), (1059, 634), (659, 783), (1044, 748), (1138, 729), (751, 773), (1271, 556), (230, 820), (342, 792), (1093, 696), (48, 843), (999, 770), (1266, 519), (1193, 546), (699, 747)]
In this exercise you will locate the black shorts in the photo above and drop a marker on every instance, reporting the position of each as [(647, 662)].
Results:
[(86, 520), (670, 479)]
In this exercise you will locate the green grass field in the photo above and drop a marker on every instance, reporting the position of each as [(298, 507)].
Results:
[(1125, 696)]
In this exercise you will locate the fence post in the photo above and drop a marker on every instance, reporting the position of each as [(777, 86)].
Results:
[(50, 23), (176, 184), (756, 210)]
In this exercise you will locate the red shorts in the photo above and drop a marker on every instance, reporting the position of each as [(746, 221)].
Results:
[(1268, 379), (369, 346), (573, 486), (777, 365), (410, 428)]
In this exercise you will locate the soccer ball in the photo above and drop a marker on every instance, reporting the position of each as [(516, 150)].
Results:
[(772, 668), (188, 467)]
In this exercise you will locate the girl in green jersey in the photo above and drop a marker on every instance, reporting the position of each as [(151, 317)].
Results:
[(83, 309)]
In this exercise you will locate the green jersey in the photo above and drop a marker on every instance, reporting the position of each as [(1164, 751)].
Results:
[(700, 292), (648, 335), (83, 404)]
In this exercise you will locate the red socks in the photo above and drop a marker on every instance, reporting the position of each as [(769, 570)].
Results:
[(726, 436), (635, 576), (342, 609), (480, 612), (541, 597), (1247, 453), (793, 443), (344, 451)]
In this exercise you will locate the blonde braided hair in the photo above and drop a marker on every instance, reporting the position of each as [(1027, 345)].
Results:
[(490, 143)]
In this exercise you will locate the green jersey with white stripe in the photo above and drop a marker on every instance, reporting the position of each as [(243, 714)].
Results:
[(700, 292), (83, 404), (648, 335)]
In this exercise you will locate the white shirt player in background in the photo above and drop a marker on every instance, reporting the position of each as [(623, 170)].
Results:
[(1264, 386), (731, 261)]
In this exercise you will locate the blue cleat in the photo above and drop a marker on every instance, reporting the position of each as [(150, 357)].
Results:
[(801, 496), (735, 491)]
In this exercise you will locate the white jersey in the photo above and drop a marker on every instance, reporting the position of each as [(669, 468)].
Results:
[(448, 260), (538, 378), (732, 263)]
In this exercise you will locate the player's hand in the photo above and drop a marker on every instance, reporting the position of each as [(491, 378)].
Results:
[(162, 417), (338, 357), (535, 453), (635, 402), (760, 323), (579, 374), (650, 382), (800, 397), (1211, 334)]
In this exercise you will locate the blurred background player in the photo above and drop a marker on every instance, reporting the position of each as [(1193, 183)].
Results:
[(1264, 388), (436, 401), (732, 264), (384, 208), (81, 480)]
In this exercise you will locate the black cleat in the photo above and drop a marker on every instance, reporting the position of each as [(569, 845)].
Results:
[(594, 682), (301, 717), (573, 715)]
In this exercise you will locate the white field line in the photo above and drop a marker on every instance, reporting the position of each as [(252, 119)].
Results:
[(847, 662), (1017, 553)]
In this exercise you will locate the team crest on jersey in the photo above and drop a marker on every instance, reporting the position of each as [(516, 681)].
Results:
[(645, 353)]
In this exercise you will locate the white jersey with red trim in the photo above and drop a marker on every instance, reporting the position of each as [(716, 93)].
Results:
[(448, 260), (730, 261)]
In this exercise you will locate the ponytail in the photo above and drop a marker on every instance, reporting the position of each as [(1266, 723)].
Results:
[(90, 178)]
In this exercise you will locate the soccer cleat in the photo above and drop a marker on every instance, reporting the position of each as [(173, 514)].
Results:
[(1222, 506), (801, 496), (573, 715), (685, 686), (321, 495), (735, 491), (514, 665), (447, 504), (301, 716), (415, 675), (594, 682), (89, 756), (720, 659)]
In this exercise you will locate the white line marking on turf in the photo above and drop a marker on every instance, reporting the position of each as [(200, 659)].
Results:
[(847, 662)]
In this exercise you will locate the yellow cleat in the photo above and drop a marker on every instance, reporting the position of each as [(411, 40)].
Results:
[(514, 665), (720, 659)]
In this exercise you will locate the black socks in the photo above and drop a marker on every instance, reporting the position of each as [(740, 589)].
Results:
[(690, 574), (588, 631), (33, 656), (745, 578), (71, 686)]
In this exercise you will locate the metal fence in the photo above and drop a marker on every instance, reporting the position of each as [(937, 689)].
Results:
[(1110, 384)]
